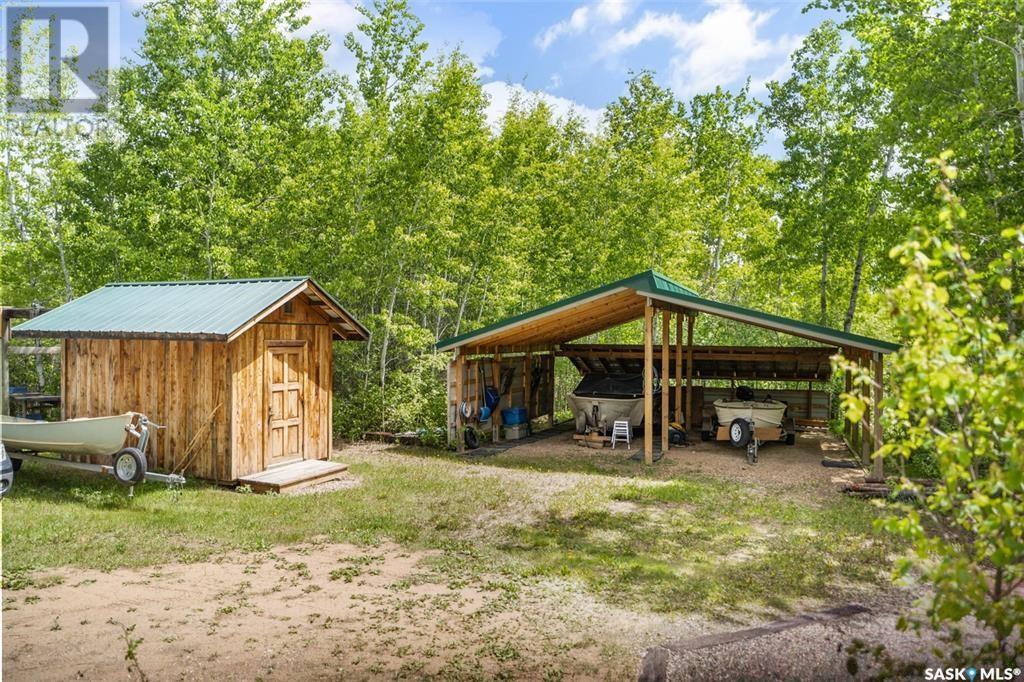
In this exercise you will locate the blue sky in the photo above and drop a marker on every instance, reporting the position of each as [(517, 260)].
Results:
[(579, 54)]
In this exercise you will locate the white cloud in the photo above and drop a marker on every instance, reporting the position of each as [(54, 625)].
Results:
[(446, 27), (716, 50), (454, 25), (336, 18), (582, 18), (612, 11), (501, 94)]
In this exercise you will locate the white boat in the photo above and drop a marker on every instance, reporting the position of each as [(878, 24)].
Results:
[(86, 436), (606, 411), (602, 399), (764, 413)]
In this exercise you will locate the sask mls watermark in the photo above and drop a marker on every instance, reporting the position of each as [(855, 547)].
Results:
[(59, 56)]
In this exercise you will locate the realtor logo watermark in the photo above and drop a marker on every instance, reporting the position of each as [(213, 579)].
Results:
[(972, 674), (58, 57)]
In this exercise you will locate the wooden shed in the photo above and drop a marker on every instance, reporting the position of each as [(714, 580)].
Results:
[(239, 371)]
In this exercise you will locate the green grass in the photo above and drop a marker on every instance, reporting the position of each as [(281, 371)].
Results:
[(708, 545), (57, 518), (687, 544), (510, 459)]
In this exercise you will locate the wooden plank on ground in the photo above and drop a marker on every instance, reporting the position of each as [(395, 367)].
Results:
[(294, 476), (654, 667)]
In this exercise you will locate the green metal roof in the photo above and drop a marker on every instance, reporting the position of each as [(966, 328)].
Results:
[(208, 309), (660, 287)]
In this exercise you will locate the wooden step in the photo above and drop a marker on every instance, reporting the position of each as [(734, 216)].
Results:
[(294, 476)]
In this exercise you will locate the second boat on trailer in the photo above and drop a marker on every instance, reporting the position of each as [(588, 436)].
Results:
[(746, 422)]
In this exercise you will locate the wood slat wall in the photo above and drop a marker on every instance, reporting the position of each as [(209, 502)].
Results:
[(795, 398), (543, 395), (169, 381), (711, 362)]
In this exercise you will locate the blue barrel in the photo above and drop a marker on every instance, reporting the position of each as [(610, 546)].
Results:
[(513, 415)]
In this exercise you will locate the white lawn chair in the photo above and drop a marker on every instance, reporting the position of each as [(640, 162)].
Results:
[(621, 431)]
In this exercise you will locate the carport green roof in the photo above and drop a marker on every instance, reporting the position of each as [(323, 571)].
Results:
[(206, 309), (655, 285)]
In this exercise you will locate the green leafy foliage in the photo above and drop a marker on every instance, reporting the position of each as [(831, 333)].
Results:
[(957, 398)]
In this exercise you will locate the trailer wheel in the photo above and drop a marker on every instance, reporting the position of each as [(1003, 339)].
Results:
[(129, 466), (790, 438), (739, 432)]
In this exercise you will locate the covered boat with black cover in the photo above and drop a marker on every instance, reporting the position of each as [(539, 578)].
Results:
[(601, 399)]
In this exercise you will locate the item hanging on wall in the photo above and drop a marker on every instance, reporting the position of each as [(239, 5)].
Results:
[(506, 379), (491, 398)]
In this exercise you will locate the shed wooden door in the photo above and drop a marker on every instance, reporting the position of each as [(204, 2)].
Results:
[(285, 425)]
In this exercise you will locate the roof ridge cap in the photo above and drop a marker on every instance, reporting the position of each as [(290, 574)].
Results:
[(243, 280)]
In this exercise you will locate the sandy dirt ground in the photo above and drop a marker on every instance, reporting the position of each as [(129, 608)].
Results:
[(323, 611), (811, 652), (335, 611)]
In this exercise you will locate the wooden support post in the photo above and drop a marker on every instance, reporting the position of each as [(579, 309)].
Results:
[(810, 397), (649, 383), (5, 377), (847, 424), (528, 386), (64, 394), (865, 422), (679, 369), (496, 415), (460, 370), (877, 466), (551, 389), (689, 372), (666, 325)]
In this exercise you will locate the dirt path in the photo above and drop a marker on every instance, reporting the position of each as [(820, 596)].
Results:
[(311, 612)]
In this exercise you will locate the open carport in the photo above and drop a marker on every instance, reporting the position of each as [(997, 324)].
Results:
[(525, 346)]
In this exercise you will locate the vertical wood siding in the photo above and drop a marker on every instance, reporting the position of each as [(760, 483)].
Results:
[(171, 382)]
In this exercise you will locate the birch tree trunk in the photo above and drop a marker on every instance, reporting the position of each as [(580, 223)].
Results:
[(58, 239), (823, 285), (858, 266)]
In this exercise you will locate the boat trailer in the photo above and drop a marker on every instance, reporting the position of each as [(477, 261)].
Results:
[(128, 465)]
